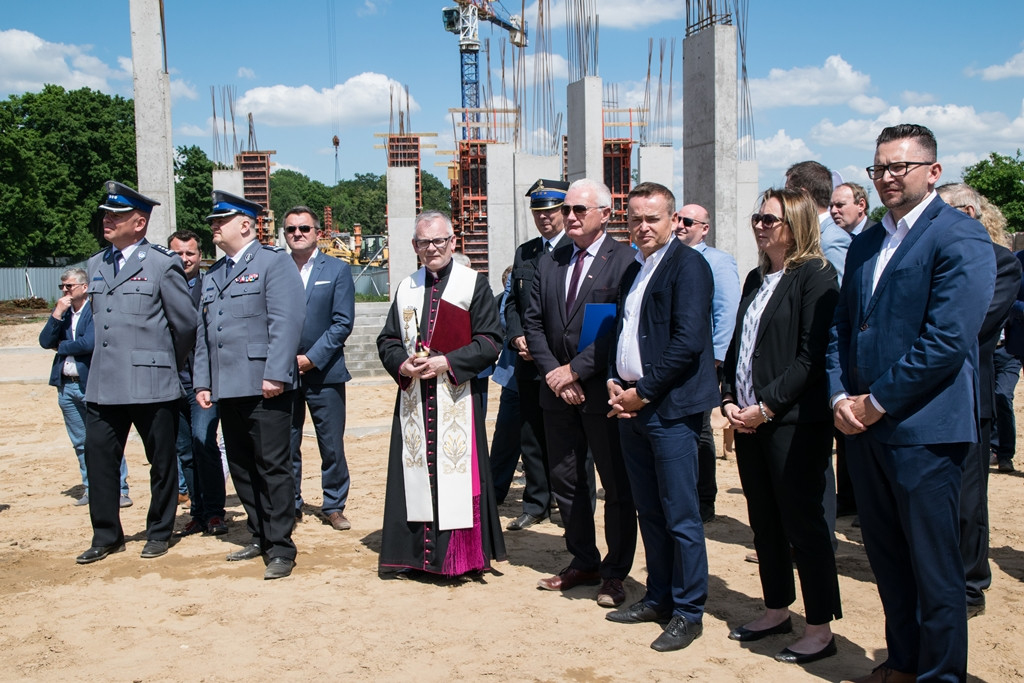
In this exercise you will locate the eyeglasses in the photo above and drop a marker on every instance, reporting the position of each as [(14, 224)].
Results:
[(896, 169), (438, 242), (688, 222), (579, 209), (69, 287), (768, 221), (292, 228)]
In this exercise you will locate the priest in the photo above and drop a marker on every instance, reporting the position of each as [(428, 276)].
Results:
[(440, 515)]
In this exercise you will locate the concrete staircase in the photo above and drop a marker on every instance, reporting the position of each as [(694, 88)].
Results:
[(361, 357)]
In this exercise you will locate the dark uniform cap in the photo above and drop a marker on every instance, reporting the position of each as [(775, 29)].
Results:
[(547, 194), (227, 204), (121, 198)]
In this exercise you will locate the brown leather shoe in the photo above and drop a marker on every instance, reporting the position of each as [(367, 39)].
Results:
[(338, 521), (611, 594), (569, 578), (883, 674)]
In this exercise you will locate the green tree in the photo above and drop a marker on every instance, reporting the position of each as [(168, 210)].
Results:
[(193, 187), (876, 213), (436, 196), (1001, 179), (291, 188), (56, 150)]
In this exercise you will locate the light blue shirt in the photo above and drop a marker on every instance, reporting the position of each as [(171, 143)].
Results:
[(726, 299), (834, 242)]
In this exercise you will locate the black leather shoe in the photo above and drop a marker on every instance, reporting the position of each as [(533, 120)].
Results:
[(216, 527), (791, 657), (678, 634), (278, 568), (746, 635), (975, 610), (249, 552), (98, 552), (522, 521), (638, 613), (154, 549)]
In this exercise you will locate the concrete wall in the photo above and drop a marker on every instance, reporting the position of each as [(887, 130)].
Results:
[(529, 168), (501, 211), (710, 130), (744, 247), (655, 165), (154, 149), (401, 216), (584, 125)]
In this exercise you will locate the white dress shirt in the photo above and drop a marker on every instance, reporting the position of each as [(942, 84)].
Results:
[(627, 362)]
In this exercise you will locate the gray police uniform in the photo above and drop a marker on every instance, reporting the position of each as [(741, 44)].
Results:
[(249, 326), (145, 325)]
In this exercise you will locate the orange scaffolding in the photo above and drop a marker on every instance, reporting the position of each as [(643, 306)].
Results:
[(469, 202), (255, 168), (618, 177)]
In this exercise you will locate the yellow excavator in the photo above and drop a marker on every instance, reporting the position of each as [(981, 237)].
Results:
[(355, 248)]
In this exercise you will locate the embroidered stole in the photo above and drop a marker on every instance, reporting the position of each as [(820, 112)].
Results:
[(453, 419)]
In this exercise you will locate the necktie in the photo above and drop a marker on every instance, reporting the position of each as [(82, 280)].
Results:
[(116, 257), (574, 283), (229, 263), (548, 247)]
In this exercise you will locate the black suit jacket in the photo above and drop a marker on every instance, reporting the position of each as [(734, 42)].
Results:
[(788, 369), (676, 350), (524, 270), (553, 336), (1008, 274)]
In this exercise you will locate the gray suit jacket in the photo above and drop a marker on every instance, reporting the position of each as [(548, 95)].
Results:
[(249, 324), (144, 323), (330, 311)]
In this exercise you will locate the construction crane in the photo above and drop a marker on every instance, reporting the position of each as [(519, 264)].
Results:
[(464, 20)]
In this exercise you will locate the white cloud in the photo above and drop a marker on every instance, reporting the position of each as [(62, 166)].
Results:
[(618, 14), (246, 72), (957, 128), (362, 99), (834, 83), (277, 166), (191, 130), (781, 151), (559, 66), (181, 89), (912, 97), (371, 7), (1011, 68), (29, 62)]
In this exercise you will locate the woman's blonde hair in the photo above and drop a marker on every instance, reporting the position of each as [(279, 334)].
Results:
[(801, 215)]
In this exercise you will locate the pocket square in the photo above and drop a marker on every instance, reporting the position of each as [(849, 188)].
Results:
[(321, 282)]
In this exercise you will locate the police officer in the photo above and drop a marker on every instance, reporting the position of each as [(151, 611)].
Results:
[(145, 324), (251, 316)]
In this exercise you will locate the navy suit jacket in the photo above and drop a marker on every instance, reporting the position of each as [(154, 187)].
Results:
[(56, 335), (553, 336), (676, 350), (1015, 323), (913, 342), (330, 312)]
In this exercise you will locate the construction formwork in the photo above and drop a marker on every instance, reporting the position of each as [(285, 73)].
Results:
[(404, 151), (255, 168), (469, 202), (618, 176)]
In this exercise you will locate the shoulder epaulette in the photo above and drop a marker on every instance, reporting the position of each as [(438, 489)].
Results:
[(271, 247), (162, 249)]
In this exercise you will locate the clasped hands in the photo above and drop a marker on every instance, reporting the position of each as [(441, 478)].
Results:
[(427, 367), (564, 382), (745, 420), (625, 403), (855, 414)]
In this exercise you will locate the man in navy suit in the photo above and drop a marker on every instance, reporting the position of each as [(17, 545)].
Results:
[(330, 311), (903, 373), (69, 332), (585, 269), (662, 380)]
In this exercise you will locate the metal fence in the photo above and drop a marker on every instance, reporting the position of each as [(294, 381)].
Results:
[(21, 283)]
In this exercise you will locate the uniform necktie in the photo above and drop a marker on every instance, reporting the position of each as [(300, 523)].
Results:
[(116, 257), (574, 283), (229, 263), (548, 247)]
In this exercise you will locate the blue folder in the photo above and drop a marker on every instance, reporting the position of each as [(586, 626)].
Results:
[(598, 319)]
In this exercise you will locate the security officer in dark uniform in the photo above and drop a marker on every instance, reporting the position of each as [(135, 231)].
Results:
[(546, 199), (251, 314), (145, 324)]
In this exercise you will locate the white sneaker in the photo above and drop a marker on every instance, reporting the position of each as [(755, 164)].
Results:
[(84, 500)]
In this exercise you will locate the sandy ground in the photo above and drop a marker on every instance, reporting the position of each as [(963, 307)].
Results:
[(192, 616)]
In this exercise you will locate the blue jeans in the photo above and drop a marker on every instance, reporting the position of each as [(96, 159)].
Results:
[(199, 458), (327, 407), (71, 399), (661, 459)]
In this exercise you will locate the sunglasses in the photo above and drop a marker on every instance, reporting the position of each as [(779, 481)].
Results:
[(768, 221), (579, 209), (688, 222), (69, 287), (290, 229)]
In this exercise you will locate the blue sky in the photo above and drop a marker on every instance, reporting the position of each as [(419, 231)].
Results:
[(823, 82)]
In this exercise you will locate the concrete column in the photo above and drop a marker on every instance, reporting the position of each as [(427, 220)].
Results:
[(154, 151), (501, 208), (401, 219), (529, 168), (744, 246), (710, 132), (655, 165), (585, 127)]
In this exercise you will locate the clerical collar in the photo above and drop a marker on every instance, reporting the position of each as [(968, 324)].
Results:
[(432, 279)]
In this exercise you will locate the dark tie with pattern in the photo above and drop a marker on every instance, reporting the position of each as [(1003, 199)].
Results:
[(574, 283)]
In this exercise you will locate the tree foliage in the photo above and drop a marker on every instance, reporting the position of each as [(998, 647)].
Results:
[(1001, 179), (56, 150)]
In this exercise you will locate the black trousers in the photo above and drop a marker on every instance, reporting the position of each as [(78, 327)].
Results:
[(782, 469), (846, 501), (570, 432), (974, 517), (106, 432), (256, 437), (707, 483)]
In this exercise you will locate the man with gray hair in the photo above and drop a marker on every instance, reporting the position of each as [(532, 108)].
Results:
[(441, 332), (849, 208), (69, 332)]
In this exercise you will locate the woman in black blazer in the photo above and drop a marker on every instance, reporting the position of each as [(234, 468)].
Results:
[(776, 396)]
